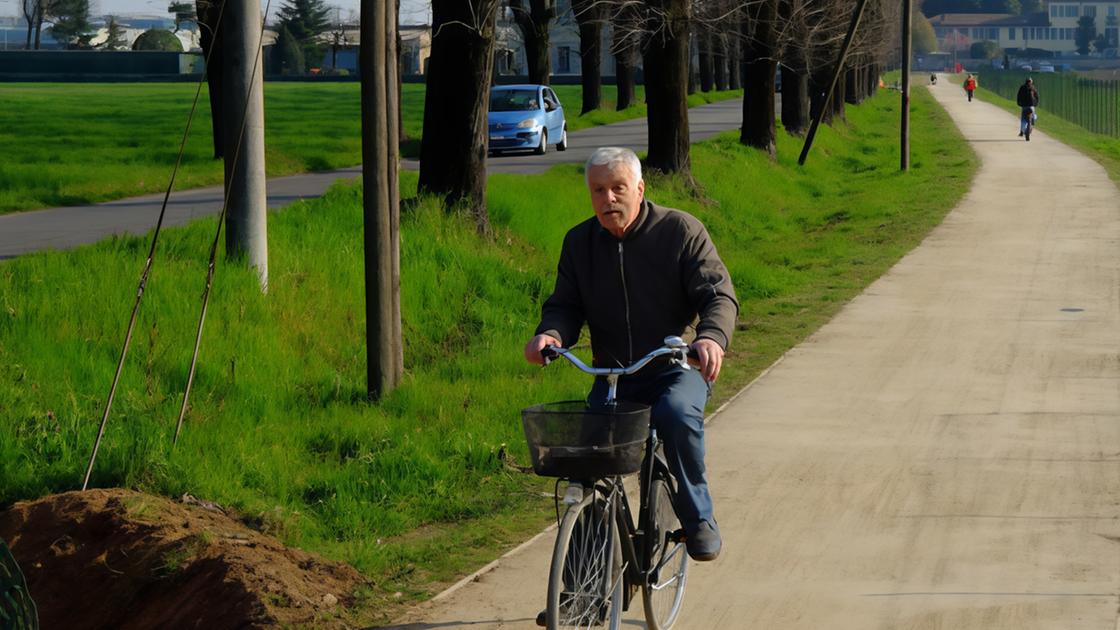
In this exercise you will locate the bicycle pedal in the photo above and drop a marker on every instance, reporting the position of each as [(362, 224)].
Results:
[(678, 536)]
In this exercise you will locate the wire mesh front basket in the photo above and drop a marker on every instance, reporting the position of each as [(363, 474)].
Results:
[(567, 439)]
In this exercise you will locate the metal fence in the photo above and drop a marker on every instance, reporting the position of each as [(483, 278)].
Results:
[(1090, 103)]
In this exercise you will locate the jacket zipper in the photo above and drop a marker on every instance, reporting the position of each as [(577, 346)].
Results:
[(626, 300)]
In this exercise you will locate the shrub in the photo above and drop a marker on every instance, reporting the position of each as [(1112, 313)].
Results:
[(985, 50), (158, 39)]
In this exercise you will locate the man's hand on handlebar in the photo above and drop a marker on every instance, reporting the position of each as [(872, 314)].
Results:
[(710, 357), (538, 343)]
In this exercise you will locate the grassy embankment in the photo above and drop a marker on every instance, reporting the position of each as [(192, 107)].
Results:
[(72, 144), (1104, 149), (423, 486)]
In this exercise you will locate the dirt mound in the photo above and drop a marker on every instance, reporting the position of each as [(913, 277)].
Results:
[(121, 559)]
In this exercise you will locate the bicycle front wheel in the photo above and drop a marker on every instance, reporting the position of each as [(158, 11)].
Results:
[(663, 589), (585, 583)]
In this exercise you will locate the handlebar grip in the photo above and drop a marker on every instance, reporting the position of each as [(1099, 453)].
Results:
[(693, 354), (549, 353)]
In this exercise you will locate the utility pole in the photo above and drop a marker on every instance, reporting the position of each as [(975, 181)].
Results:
[(381, 195), (907, 53), (246, 218)]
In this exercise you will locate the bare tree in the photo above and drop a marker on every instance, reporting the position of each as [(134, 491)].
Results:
[(533, 23), (590, 14), (666, 62), (33, 14), (625, 45), (760, 46), (795, 68), (209, 13), (456, 101)]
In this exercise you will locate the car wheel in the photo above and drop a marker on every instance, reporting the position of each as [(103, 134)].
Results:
[(563, 144), (543, 146)]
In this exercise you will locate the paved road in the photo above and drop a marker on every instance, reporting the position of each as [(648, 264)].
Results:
[(944, 454), (63, 228)]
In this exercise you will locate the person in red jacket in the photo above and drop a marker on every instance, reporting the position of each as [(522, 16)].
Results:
[(970, 86)]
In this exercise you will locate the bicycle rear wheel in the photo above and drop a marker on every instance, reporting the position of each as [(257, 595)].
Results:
[(663, 590), (585, 582)]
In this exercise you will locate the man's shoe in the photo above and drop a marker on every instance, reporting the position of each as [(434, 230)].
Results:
[(704, 543), (542, 618), (1020, 134)]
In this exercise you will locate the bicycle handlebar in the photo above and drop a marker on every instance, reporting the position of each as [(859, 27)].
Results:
[(674, 346)]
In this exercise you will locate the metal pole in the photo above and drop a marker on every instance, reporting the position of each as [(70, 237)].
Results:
[(856, 15), (907, 53), (246, 223)]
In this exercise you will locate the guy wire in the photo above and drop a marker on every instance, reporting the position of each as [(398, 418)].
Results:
[(144, 275)]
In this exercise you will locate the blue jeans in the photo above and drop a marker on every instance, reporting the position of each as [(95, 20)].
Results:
[(676, 397), (1024, 118)]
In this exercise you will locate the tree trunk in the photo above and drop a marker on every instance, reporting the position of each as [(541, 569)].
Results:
[(456, 101), (838, 98), (851, 91), (624, 80), (705, 56), (734, 66), (39, 27), (211, 42), (760, 51), (30, 28), (381, 196), (719, 58), (590, 15), (666, 72), (795, 101), (818, 91), (533, 25), (625, 43)]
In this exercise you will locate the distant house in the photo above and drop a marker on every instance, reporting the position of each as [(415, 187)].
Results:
[(563, 45), (1054, 30), (342, 43)]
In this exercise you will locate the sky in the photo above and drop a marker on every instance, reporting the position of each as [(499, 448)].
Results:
[(412, 11)]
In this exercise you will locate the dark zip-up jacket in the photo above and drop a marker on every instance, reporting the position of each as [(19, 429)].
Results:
[(633, 292), (1027, 96)]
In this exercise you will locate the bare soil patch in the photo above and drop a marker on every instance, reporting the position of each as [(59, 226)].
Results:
[(116, 558)]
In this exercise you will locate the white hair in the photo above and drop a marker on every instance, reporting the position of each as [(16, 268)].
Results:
[(611, 157)]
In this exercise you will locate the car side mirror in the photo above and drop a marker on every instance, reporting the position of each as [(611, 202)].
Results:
[(549, 106)]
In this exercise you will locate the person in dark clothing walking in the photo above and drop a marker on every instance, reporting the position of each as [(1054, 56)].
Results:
[(635, 273), (1027, 99)]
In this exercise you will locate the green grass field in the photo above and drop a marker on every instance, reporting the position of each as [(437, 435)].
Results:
[(423, 486), (73, 144)]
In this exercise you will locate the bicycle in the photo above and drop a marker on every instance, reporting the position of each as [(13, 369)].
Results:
[(602, 556), (1026, 120)]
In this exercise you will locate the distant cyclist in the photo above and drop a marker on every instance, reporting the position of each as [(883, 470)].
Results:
[(1027, 99), (636, 272)]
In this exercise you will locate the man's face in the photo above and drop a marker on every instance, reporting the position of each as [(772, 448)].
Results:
[(615, 196)]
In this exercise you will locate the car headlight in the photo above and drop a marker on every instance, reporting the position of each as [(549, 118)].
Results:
[(528, 123)]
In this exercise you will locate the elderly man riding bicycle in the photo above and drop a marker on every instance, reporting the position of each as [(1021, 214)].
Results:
[(635, 273)]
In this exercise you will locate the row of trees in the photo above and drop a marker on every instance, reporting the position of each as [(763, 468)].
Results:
[(736, 39)]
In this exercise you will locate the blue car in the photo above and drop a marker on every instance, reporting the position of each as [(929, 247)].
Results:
[(526, 117)]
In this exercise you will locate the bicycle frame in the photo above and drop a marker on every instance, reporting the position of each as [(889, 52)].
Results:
[(637, 567)]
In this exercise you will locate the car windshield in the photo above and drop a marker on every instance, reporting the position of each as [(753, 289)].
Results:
[(513, 100)]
